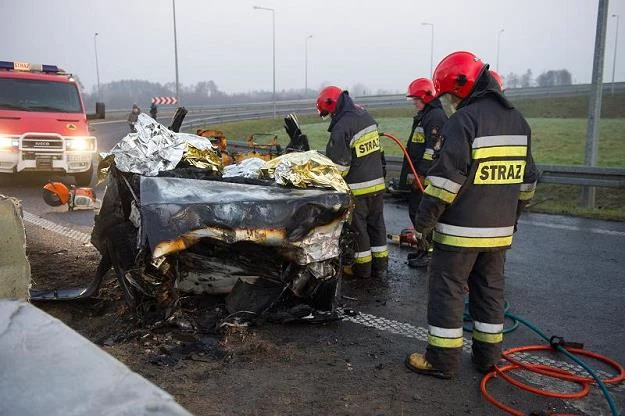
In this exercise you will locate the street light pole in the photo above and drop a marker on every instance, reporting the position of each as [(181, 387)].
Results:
[(173, 2), (594, 105), (97, 67), (306, 65), (498, 41), (614, 60), (273, 21), (431, 48)]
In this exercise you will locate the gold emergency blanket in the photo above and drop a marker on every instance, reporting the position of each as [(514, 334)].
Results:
[(202, 158), (304, 170)]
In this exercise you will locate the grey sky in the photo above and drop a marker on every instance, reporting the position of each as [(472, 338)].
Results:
[(381, 44)]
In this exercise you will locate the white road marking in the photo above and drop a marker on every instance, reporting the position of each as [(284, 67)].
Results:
[(421, 334), (59, 229), (371, 321), (573, 228)]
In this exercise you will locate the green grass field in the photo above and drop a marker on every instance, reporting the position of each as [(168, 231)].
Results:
[(555, 140)]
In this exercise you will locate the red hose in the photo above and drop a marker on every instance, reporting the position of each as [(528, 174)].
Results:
[(548, 371), (403, 149)]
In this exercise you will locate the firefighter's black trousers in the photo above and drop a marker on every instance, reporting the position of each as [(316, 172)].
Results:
[(483, 273), (370, 249)]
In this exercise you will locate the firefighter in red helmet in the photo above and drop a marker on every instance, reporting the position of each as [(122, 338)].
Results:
[(423, 142), (498, 78), (477, 187), (354, 147)]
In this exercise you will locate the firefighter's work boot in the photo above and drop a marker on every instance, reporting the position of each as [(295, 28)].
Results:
[(416, 362), (480, 367), (420, 259), (348, 274)]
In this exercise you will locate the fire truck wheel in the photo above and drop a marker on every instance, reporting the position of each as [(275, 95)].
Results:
[(84, 178)]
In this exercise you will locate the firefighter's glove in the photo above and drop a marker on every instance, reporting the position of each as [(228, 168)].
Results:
[(420, 241), (292, 127)]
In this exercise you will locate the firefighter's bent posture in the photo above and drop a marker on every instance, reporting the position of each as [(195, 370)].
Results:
[(354, 147), (424, 142), (483, 177)]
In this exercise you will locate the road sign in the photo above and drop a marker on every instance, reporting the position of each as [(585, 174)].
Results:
[(164, 100)]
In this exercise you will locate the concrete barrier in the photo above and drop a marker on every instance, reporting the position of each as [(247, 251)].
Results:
[(14, 266), (49, 369)]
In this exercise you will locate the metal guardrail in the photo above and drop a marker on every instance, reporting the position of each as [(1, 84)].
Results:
[(559, 174), (386, 100)]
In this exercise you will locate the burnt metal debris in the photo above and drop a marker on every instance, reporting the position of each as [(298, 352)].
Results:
[(170, 226)]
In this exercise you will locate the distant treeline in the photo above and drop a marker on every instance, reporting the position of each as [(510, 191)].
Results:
[(549, 78), (122, 94)]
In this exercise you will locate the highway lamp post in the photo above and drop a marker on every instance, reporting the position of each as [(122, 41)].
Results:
[(615, 45), (431, 47), (498, 42), (173, 3), (97, 67), (594, 105), (306, 65), (273, 22)]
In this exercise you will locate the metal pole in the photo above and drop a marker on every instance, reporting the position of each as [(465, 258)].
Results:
[(173, 2), (273, 21), (97, 67), (431, 47), (498, 42), (306, 65), (615, 47), (594, 106)]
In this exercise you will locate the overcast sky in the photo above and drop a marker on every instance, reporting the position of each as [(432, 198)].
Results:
[(380, 43)]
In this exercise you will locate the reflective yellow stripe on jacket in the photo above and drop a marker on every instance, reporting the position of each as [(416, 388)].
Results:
[(366, 141), (428, 154), (499, 146), (527, 191), (478, 237), (368, 187), (442, 188)]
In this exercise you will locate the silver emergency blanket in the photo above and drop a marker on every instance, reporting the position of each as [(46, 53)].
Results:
[(154, 148), (248, 168)]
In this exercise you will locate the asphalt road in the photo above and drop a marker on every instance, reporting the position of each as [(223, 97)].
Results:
[(566, 275)]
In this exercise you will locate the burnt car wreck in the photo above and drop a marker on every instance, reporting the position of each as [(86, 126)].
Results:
[(172, 225)]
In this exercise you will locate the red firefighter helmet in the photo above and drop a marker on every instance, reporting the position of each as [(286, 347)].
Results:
[(326, 101), (498, 78), (457, 74), (423, 89)]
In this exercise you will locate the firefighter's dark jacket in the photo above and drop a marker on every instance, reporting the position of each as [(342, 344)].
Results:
[(426, 128), (483, 176), (354, 147)]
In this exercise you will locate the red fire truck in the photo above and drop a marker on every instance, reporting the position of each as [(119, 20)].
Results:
[(43, 124)]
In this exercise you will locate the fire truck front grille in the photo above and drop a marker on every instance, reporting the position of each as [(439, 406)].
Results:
[(42, 143)]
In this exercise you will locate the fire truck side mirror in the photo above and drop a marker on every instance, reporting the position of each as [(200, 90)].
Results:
[(100, 112)]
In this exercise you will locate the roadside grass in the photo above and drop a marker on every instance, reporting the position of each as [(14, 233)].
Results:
[(554, 141)]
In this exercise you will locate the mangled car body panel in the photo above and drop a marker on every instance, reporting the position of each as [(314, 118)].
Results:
[(188, 229)]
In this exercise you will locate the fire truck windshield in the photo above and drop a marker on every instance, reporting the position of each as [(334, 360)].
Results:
[(38, 95)]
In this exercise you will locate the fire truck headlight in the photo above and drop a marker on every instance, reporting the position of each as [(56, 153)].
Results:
[(9, 143), (80, 144)]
